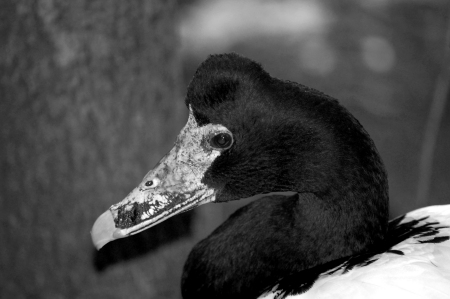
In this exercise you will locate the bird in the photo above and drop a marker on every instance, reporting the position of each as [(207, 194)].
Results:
[(319, 224)]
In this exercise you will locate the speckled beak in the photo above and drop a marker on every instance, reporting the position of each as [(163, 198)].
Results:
[(173, 186)]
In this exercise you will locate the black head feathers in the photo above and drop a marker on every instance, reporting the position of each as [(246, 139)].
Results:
[(220, 81), (288, 137)]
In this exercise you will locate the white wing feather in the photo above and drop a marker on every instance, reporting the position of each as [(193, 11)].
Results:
[(422, 272)]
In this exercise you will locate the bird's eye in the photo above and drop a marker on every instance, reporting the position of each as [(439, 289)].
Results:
[(221, 141)]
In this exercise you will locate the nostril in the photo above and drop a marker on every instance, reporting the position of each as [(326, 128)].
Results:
[(152, 183)]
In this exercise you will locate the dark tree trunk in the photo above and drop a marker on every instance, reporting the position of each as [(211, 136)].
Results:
[(89, 101)]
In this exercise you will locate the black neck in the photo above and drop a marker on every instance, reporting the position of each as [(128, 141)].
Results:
[(267, 239)]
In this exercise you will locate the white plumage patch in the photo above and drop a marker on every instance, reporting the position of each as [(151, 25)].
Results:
[(422, 271)]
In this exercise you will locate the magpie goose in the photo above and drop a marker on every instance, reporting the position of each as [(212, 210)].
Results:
[(319, 228)]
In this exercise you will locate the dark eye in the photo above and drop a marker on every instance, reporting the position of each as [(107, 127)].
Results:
[(221, 141)]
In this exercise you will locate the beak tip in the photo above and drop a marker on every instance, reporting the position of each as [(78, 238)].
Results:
[(104, 230)]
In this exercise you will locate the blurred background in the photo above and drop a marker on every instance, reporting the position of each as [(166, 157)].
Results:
[(91, 97)]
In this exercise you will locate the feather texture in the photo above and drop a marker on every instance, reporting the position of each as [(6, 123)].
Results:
[(418, 267)]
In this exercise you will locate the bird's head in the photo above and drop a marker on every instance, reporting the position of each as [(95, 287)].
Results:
[(249, 134)]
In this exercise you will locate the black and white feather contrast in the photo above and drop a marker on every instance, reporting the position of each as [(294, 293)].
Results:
[(319, 227), (413, 262)]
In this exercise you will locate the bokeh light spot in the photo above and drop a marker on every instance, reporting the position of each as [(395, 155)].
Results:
[(317, 57), (378, 54)]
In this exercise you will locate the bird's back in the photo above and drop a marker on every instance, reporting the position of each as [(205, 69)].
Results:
[(417, 266)]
